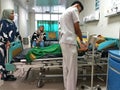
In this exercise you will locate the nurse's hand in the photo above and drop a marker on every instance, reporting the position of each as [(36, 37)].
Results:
[(83, 47)]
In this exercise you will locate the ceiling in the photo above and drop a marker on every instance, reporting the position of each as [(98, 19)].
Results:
[(38, 6)]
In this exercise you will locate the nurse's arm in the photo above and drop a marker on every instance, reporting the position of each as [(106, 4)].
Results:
[(78, 31)]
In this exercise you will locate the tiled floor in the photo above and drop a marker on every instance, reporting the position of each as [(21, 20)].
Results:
[(29, 85), (20, 84), (50, 83), (25, 85), (31, 82)]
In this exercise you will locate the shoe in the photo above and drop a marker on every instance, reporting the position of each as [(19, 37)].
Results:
[(10, 78)]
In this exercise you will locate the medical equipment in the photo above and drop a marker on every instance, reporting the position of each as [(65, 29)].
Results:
[(113, 70), (93, 56)]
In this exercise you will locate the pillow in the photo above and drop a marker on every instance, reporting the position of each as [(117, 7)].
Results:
[(106, 44)]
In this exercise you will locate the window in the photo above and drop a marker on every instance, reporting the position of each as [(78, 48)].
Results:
[(97, 4)]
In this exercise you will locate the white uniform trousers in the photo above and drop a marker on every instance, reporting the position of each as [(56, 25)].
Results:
[(70, 67)]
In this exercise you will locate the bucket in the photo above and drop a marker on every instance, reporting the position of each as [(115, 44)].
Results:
[(25, 41)]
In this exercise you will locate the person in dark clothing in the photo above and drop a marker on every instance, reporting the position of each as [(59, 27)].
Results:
[(8, 34), (39, 37)]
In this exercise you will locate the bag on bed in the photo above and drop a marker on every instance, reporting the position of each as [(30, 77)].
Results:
[(21, 55)]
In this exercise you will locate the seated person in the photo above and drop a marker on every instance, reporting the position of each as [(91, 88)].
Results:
[(39, 37)]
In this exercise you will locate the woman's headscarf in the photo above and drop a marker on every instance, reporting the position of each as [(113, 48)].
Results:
[(6, 14)]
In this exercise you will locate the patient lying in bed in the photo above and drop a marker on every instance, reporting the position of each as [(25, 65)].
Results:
[(53, 50)]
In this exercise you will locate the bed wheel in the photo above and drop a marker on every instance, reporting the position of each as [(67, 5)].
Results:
[(99, 88), (82, 87), (40, 83)]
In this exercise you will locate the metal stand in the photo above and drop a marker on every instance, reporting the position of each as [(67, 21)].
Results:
[(92, 41)]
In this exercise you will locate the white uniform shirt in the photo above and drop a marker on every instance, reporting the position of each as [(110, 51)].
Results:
[(67, 20)]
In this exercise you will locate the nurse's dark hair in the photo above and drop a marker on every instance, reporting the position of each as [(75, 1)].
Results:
[(78, 2)]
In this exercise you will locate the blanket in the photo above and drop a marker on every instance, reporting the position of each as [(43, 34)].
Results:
[(41, 52)]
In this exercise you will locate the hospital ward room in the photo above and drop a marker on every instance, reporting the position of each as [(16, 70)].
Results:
[(59, 44)]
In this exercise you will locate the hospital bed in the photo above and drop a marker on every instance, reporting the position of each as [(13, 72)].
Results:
[(89, 59)]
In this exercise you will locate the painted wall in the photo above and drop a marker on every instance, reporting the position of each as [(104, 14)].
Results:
[(31, 23), (23, 17), (6, 4), (106, 26)]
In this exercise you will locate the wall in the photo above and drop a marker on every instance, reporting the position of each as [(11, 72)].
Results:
[(23, 17), (6, 4), (31, 23), (106, 26)]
